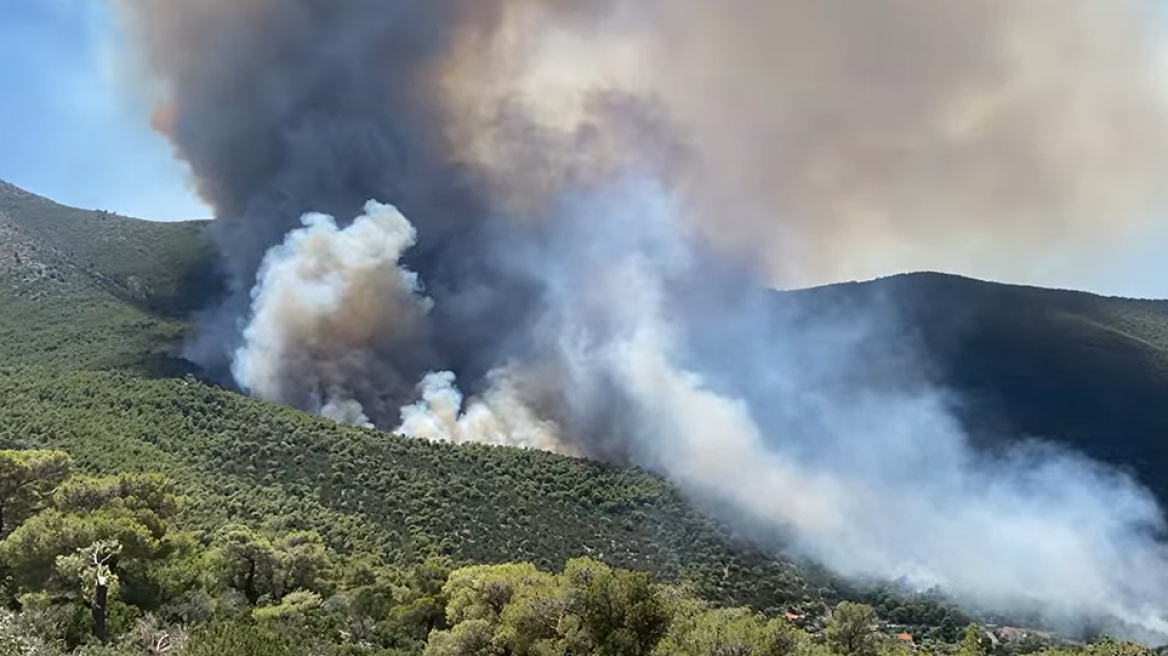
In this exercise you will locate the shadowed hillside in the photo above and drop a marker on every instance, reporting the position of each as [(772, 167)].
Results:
[(1087, 371)]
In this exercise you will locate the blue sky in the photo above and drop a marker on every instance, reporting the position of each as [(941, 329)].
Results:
[(71, 129), (74, 127)]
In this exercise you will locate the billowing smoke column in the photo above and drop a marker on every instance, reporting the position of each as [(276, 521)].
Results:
[(602, 193), (332, 312)]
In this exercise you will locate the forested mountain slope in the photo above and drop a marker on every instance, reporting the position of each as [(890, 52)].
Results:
[(81, 289), (90, 335), (94, 308), (1086, 371)]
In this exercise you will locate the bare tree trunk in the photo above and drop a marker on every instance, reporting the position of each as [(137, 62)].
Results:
[(100, 605)]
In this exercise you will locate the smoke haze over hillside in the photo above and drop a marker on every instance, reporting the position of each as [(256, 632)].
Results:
[(589, 201)]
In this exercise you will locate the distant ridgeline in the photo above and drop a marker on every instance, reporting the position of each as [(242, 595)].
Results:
[(1081, 370)]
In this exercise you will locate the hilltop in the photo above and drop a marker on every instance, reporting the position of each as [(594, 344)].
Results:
[(163, 268), (84, 289)]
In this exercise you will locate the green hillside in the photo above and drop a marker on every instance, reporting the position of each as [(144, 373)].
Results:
[(85, 355), (161, 267), (89, 290), (93, 311)]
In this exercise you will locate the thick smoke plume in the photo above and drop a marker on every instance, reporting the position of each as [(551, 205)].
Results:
[(334, 312), (602, 192), (499, 417)]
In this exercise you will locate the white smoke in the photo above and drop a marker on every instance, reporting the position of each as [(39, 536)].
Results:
[(812, 140), (327, 301), (872, 481), (346, 411), (878, 482), (498, 417), (895, 492)]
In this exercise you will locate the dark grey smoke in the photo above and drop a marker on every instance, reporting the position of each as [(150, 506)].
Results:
[(282, 108), (581, 207), (811, 139)]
